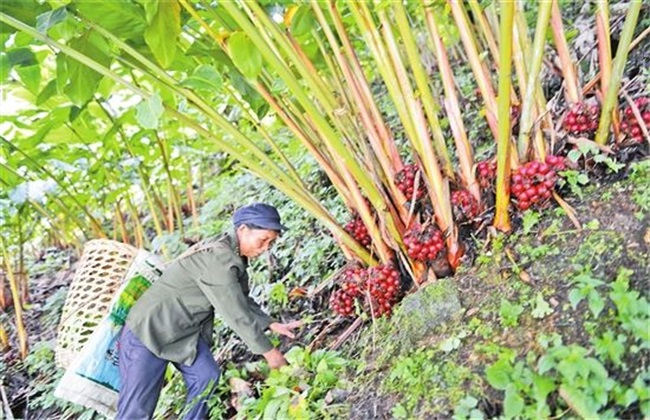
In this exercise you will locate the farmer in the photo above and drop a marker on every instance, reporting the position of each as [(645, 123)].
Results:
[(173, 320)]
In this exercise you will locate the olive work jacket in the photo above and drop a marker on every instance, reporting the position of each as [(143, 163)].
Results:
[(179, 307)]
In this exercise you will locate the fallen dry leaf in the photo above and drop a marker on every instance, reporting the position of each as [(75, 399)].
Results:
[(240, 386), (525, 277)]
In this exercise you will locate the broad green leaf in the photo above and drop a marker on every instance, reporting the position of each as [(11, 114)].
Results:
[(21, 57), (303, 21), (24, 10), (48, 91), (150, 8), (513, 404), (498, 374), (245, 55), (30, 76), (51, 18), (121, 17), (575, 296), (82, 80), (162, 32), (5, 67), (61, 72), (205, 77), (596, 303), (568, 368), (545, 364), (149, 112), (542, 386)]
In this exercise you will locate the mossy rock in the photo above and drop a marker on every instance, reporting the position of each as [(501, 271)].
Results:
[(420, 313)]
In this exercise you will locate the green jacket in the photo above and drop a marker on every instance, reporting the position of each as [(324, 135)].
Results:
[(179, 307)]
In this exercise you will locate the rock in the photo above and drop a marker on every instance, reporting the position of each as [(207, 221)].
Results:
[(421, 312)]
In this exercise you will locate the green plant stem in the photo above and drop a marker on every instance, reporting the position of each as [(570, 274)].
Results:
[(480, 72), (527, 106), (429, 102), (21, 332), (463, 146), (568, 69), (501, 219), (609, 102)]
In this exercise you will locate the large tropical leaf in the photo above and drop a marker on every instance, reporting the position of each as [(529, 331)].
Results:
[(164, 27), (121, 17), (245, 55), (82, 80)]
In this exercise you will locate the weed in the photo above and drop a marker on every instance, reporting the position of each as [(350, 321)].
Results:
[(509, 313)]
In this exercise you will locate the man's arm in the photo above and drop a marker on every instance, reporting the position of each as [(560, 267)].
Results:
[(226, 296)]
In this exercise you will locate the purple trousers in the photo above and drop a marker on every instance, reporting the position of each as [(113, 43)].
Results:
[(142, 374)]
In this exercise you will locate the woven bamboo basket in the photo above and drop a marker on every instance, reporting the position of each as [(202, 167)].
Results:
[(100, 273)]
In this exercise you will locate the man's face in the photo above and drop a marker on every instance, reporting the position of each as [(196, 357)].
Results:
[(254, 242)]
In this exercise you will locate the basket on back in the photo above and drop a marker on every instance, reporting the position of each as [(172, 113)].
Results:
[(101, 271)]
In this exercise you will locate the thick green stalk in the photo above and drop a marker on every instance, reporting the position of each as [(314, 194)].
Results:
[(486, 30), (304, 199), (174, 195), (438, 187), (138, 231), (119, 216), (21, 332), (345, 160), (609, 102), (317, 84), (604, 49), (321, 158), (428, 101), (384, 133), (527, 107), (501, 218), (252, 117), (363, 104), (568, 69), (453, 106), (334, 139), (480, 72), (146, 188)]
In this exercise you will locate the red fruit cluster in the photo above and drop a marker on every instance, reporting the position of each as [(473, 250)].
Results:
[(533, 183), (465, 206), (556, 162), (423, 245), (630, 125), (342, 302), (382, 282), (405, 181), (487, 171), (582, 119), (358, 230)]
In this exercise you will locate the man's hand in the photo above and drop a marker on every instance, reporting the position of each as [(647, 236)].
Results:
[(285, 329), (275, 358)]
